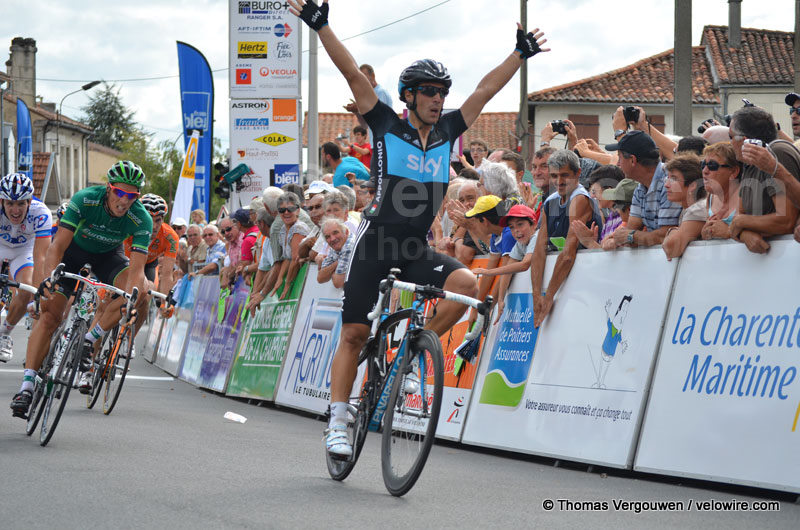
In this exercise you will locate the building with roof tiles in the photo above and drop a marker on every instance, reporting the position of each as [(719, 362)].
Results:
[(759, 68)]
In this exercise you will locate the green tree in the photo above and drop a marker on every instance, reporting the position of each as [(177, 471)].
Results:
[(108, 116)]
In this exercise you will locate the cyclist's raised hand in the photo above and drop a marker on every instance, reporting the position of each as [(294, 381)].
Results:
[(313, 15)]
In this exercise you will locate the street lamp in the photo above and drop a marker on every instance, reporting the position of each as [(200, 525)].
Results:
[(87, 86)]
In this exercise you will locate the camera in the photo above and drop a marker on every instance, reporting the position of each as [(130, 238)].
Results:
[(754, 141), (341, 137), (705, 125), (631, 114), (559, 126)]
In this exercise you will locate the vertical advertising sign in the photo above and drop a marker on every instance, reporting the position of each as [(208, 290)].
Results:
[(264, 50), (266, 136), (24, 141), (197, 106), (182, 204)]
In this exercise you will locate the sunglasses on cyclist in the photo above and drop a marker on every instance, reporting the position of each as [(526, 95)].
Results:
[(288, 209), (712, 165), (122, 194), (431, 91)]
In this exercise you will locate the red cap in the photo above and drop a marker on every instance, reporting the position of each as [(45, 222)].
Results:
[(518, 210)]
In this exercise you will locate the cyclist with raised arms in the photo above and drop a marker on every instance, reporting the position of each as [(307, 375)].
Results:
[(410, 168), (161, 253), (97, 221), (25, 225)]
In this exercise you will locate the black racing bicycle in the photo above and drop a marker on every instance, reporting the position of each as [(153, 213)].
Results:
[(402, 393)]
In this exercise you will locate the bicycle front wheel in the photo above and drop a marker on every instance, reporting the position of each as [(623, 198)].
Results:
[(39, 386), (58, 387), (120, 359), (409, 423)]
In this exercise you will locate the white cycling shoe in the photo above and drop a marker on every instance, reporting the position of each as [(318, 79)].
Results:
[(6, 345), (336, 442), (85, 383)]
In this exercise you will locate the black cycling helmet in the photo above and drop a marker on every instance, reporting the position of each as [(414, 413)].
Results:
[(424, 70)]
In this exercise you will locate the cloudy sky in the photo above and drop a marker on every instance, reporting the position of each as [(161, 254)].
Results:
[(133, 44)]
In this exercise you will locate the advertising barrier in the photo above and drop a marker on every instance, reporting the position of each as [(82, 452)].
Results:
[(170, 347), (206, 298), (575, 387), (222, 346), (724, 403), (261, 351)]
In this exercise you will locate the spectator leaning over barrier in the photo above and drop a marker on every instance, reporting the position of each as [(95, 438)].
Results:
[(684, 186), (522, 222), (571, 202), (215, 251), (270, 199), (233, 246), (341, 241), (651, 210), (292, 233), (334, 205), (769, 190), (195, 252), (721, 173), (247, 265), (264, 222), (316, 210)]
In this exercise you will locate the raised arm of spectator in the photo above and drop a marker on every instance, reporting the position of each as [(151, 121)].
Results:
[(665, 146), (572, 134), (588, 148), (316, 17), (527, 46)]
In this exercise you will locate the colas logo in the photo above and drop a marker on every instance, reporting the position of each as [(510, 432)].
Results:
[(274, 139)]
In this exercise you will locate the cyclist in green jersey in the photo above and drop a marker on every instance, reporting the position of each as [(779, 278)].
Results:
[(97, 221)]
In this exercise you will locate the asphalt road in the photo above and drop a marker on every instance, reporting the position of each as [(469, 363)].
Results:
[(166, 458)]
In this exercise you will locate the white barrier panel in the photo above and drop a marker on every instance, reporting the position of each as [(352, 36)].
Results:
[(305, 380), (724, 401), (580, 394)]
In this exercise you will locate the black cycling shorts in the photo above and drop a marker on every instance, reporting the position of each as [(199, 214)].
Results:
[(150, 270), (106, 266), (380, 248)]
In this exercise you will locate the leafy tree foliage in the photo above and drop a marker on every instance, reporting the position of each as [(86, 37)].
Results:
[(108, 116)]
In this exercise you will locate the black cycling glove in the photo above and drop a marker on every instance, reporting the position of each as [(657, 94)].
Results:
[(526, 44), (315, 16)]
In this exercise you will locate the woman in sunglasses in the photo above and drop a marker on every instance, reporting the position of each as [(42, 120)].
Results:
[(290, 236), (97, 221), (684, 185), (721, 173)]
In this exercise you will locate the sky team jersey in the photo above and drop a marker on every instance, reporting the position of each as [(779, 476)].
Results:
[(97, 231), (37, 223), (410, 182), (164, 244)]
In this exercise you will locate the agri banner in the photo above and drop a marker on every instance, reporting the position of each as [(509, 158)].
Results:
[(24, 141), (725, 399), (266, 136), (264, 50), (197, 107), (575, 387), (306, 376), (221, 347), (204, 312), (170, 347), (263, 346)]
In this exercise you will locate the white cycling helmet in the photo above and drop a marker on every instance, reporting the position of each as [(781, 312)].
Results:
[(154, 204), (16, 187)]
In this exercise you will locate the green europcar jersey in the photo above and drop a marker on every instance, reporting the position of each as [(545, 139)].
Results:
[(97, 231)]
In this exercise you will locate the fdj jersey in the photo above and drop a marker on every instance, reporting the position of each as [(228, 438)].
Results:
[(97, 231), (37, 223), (411, 182)]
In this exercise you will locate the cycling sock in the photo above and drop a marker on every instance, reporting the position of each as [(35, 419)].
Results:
[(95, 333), (338, 413), (27, 380)]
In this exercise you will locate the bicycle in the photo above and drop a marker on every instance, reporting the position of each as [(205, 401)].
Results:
[(402, 395), (56, 377)]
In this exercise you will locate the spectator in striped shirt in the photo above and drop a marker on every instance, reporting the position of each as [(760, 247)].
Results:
[(652, 214)]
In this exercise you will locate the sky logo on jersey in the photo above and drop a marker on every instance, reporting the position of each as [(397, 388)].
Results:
[(274, 139), (243, 76), (408, 161), (282, 30)]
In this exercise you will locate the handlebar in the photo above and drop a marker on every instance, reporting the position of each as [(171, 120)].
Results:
[(168, 298), (8, 282)]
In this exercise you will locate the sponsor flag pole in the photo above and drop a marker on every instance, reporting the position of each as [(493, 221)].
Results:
[(182, 206), (24, 141), (197, 107)]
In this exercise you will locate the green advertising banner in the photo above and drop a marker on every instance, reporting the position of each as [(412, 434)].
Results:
[(261, 351)]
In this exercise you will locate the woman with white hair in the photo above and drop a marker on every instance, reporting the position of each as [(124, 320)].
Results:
[(499, 180)]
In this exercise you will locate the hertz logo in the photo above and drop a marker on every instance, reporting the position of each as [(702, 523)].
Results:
[(252, 50), (275, 139)]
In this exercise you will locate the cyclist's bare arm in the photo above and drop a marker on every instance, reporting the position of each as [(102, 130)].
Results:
[(136, 272), (40, 246), (55, 252)]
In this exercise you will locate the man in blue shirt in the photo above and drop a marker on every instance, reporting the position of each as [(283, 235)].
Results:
[(341, 166)]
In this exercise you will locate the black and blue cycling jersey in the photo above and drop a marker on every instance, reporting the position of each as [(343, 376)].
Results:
[(410, 182)]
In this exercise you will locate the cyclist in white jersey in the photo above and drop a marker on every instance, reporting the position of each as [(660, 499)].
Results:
[(25, 229)]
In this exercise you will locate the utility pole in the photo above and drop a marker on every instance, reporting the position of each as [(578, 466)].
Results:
[(312, 168), (522, 118), (797, 45), (682, 88)]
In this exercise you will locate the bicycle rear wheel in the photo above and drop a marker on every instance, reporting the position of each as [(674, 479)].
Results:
[(120, 353), (59, 386), (101, 367), (409, 423)]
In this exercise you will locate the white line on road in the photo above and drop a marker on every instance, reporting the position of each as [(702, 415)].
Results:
[(129, 376)]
